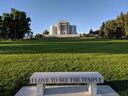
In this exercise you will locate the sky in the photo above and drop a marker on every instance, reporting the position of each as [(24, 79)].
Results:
[(85, 14)]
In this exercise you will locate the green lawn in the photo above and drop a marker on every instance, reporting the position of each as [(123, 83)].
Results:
[(19, 59)]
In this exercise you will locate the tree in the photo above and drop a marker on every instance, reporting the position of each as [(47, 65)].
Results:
[(102, 33), (5, 27), (126, 25), (14, 25), (21, 24), (46, 32), (37, 36), (0, 26), (117, 28), (91, 31)]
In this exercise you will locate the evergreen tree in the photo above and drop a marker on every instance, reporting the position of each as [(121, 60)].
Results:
[(91, 31), (117, 28), (102, 33), (14, 25)]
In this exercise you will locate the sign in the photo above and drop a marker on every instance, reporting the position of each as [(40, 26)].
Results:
[(66, 77)]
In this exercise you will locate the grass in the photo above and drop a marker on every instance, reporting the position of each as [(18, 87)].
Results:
[(19, 59)]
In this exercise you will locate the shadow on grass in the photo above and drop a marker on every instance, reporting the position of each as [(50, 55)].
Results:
[(53, 40), (69, 46), (118, 85)]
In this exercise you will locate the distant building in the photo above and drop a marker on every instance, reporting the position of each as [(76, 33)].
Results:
[(28, 35), (62, 28)]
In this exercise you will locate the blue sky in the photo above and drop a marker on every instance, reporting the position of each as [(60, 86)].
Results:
[(86, 14)]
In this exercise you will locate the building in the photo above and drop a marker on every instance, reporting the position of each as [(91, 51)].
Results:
[(62, 28), (28, 35)]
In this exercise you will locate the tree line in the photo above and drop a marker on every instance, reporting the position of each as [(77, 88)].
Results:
[(14, 25), (117, 28)]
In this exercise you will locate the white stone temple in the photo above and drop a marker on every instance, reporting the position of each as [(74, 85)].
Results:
[(62, 28)]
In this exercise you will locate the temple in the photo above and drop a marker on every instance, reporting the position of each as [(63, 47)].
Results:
[(62, 28)]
